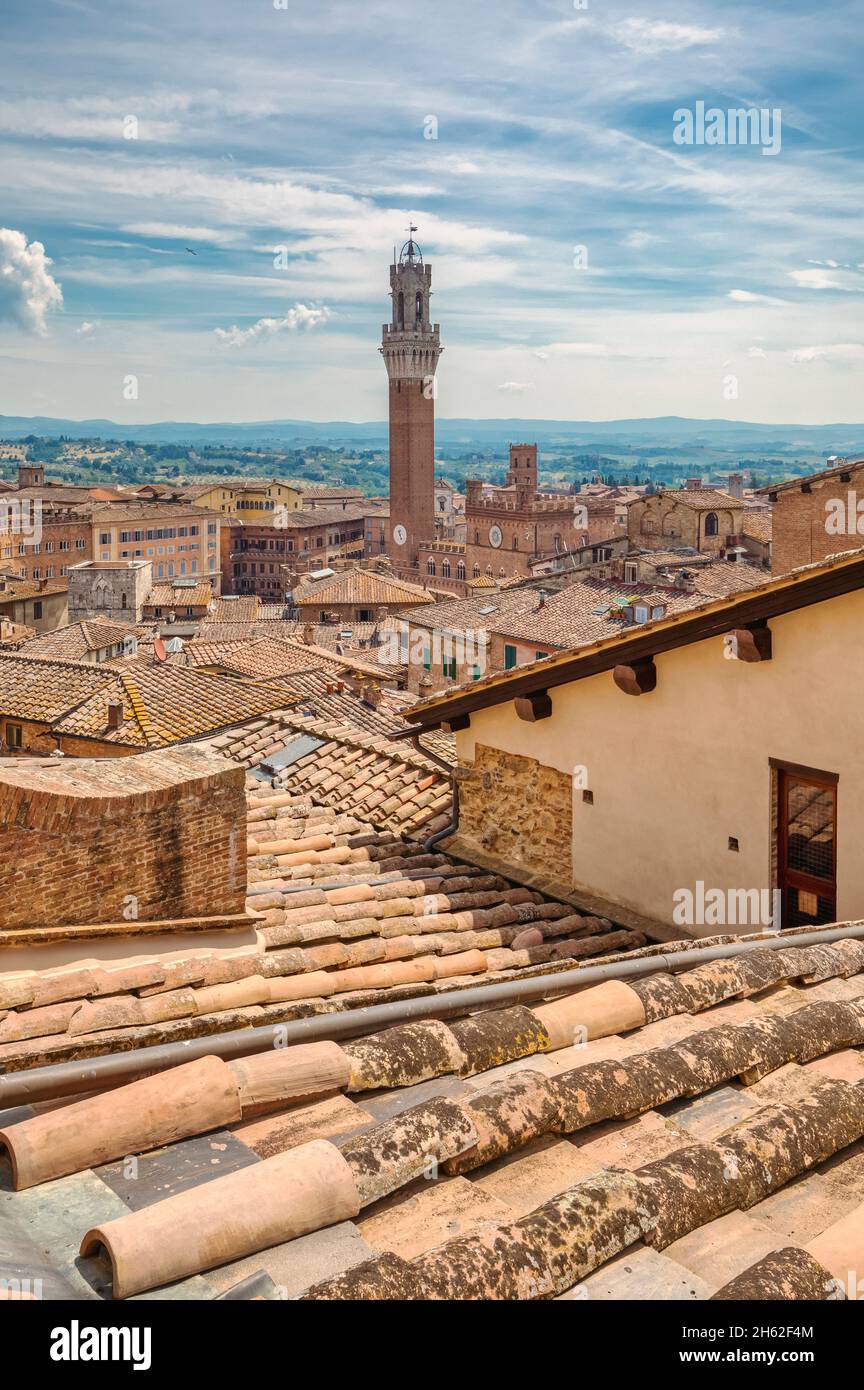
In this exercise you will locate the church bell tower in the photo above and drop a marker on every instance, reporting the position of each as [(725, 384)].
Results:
[(411, 348)]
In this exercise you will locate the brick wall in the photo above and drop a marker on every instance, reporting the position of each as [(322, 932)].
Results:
[(805, 524), (519, 810), (79, 842)]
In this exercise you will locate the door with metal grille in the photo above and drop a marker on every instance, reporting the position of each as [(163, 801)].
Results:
[(807, 848)]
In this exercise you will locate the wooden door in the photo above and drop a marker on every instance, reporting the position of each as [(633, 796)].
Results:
[(807, 847)]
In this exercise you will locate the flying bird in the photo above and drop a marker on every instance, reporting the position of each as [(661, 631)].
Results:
[(191, 252)]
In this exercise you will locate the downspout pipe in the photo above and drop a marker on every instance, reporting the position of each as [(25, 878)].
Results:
[(116, 1068)]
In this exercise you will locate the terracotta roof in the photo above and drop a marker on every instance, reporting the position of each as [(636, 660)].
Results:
[(328, 697), (584, 611), (73, 642), (309, 516), (569, 619), (838, 574), (701, 1138), (261, 656), (705, 499), (32, 588), (119, 511), (162, 703), (758, 524), (180, 596), (336, 897), (359, 587), (242, 609), (165, 704), (343, 756), (42, 690), (210, 630)]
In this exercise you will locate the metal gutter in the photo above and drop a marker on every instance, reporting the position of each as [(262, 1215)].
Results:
[(116, 1068)]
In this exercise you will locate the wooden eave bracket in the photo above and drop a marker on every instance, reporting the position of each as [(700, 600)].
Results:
[(752, 643), (537, 705), (639, 678)]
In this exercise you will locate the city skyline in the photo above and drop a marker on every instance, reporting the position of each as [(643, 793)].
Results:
[(219, 230)]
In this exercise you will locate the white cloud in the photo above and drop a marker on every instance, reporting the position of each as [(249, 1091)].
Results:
[(748, 297), (86, 329), (515, 388), (639, 239), (834, 352), (169, 231), (301, 316), (581, 350), (658, 36), (27, 288), (757, 352), (814, 280)]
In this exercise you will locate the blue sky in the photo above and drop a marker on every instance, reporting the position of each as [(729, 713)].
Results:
[(720, 282)]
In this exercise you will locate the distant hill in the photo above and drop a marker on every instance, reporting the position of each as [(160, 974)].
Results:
[(667, 429)]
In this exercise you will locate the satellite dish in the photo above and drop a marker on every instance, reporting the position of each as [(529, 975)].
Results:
[(159, 649)]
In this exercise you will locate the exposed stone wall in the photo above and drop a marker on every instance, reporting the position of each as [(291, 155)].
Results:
[(159, 835), (516, 808)]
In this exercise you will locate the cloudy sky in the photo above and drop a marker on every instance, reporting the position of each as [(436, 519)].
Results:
[(585, 265)]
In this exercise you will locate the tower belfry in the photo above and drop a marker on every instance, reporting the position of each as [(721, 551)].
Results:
[(411, 348)]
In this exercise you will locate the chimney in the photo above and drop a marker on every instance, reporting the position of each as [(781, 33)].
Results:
[(115, 714), (308, 634), (542, 599)]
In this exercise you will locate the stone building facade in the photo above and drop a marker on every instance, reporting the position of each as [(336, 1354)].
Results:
[(702, 518), (109, 589)]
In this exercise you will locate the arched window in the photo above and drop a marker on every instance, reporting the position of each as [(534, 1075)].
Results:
[(476, 571), (460, 570), (515, 542), (489, 571), (418, 309), (445, 569), (400, 313), (476, 537), (711, 525), (430, 566)]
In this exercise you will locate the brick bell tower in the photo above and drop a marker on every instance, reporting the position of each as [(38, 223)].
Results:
[(411, 348)]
